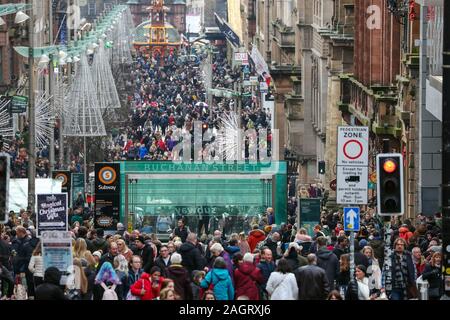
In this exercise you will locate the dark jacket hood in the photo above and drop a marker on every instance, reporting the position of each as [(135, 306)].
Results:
[(324, 254), (186, 247), (246, 268), (52, 275)]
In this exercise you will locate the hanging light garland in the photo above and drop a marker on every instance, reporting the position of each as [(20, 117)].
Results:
[(82, 116)]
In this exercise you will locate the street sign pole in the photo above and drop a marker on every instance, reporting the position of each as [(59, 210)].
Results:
[(352, 254), (352, 223)]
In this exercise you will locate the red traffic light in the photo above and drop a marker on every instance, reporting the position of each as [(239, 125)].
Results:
[(389, 166)]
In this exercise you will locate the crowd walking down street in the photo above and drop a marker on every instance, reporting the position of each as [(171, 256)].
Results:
[(260, 259)]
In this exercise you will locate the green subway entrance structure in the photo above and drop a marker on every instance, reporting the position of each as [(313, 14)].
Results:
[(225, 196)]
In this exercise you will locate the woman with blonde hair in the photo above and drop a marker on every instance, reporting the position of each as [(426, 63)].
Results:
[(433, 274), (167, 294), (124, 250), (36, 266), (374, 270), (81, 252), (79, 289)]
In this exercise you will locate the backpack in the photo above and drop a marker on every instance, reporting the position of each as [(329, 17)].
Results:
[(109, 293)]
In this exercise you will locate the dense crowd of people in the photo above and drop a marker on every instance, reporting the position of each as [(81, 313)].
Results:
[(168, 97), (268, 263)]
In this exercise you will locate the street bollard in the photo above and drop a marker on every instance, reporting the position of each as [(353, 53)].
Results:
[(422, 286)]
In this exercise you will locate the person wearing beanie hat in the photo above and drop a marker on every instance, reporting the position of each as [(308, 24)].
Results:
[(363, 282)]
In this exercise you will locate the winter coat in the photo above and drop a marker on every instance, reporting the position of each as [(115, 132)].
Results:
[(266, 270), (5, 253), (23, 254), (254, 237), (181, 278), (182, 233), (312, 283), (282, 286), (191, 257), (36, 266), (221, 280), (159, 262), (434, 277), (328, 261), (143, 282), (133, 277), (247, 278), (232, 250), (146, 253), (50, 289), (292, 259)]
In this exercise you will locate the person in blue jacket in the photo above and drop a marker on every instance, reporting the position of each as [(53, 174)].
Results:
[(220, 279)]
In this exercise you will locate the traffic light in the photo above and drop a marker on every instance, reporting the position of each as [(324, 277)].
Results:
[(321, 167), (4, 186), (390, 194)]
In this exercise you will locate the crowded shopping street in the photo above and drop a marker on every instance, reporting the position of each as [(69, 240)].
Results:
[(223, 150)]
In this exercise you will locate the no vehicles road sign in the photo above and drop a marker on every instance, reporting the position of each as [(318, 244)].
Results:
[(353, 146)]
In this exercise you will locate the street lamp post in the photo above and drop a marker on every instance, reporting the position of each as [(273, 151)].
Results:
[(31, 114), (446, 150)]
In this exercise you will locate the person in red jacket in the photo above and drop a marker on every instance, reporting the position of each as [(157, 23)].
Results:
[(143, 287), (255, 236), (157, 281), (247, 278)]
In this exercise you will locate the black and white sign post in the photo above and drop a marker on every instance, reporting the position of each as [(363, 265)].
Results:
[(352, 173)]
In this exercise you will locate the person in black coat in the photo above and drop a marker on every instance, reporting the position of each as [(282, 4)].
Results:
[(5, 253), (181, 231), (50, 289), (163, 260), (21, 251), (145, 251), (191, 255), (328, 261), (312, 281), (433, 274), (109, 257)]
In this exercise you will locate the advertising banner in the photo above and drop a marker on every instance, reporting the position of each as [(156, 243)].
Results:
[(76, 187), (51, 212), (107, 195)]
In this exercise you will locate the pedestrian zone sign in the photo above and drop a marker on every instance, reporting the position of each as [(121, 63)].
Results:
[(351, 219)]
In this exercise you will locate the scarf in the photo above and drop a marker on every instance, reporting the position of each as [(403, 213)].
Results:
[(400, 271)]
